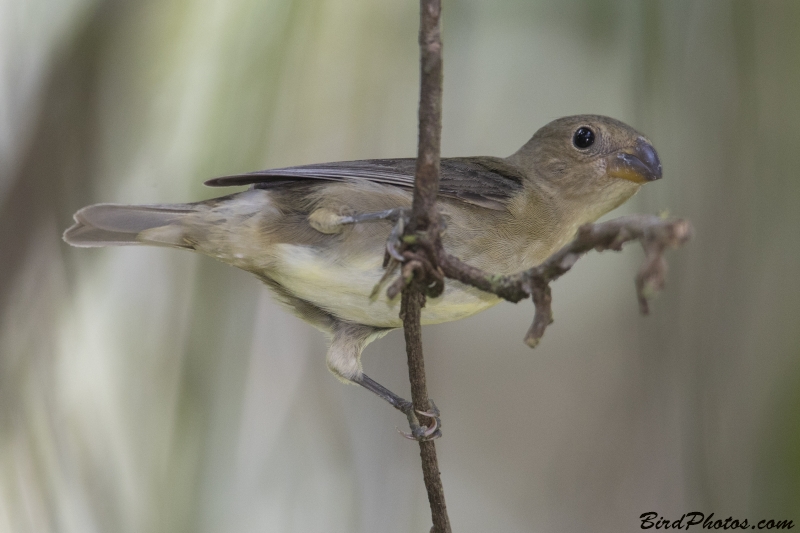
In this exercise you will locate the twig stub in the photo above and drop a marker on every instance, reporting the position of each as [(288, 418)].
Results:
[(654, 233)]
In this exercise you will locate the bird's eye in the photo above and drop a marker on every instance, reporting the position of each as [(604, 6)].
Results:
[(583, 138)]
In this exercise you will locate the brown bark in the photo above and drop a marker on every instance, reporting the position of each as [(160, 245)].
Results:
[(425, 262), (411, 304), (424, 218), (654, 233)]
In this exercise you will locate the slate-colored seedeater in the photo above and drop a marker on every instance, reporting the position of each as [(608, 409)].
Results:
[(502, 215)]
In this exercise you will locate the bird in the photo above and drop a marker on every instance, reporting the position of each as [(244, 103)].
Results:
[(316, 234)]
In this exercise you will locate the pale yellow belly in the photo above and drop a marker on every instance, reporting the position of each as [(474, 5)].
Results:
[(344, 289)]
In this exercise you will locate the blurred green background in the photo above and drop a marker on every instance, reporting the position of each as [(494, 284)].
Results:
[(150, 390)]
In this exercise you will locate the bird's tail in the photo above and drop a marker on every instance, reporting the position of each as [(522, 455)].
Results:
[(119, 225)]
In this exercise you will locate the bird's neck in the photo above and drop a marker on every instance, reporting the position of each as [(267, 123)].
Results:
[(509, 241), (538, 222), (550, 220)]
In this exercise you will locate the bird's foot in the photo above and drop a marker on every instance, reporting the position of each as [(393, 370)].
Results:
[(418, 253), (394, 244), (419, 432)]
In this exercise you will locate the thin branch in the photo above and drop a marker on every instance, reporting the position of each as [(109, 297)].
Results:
[(655, 234), (410, 309), (425, 218), (416, 244), (426, 184)]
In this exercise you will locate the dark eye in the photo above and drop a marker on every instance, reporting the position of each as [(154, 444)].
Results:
[(583, 138)]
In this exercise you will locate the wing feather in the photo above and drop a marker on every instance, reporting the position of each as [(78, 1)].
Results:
[(484, 181)]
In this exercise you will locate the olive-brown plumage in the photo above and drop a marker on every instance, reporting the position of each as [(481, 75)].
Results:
[(502, 214)]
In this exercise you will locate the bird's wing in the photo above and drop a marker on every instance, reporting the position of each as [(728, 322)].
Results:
[(484, 181)]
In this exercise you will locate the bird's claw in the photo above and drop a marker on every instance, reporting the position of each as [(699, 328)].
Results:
[(418, 254), (423, 433), (395, 242)]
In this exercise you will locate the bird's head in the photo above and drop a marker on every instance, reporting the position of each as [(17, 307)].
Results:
[(593, 161)]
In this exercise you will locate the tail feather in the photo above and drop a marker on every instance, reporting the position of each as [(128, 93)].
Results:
[(119, 225)]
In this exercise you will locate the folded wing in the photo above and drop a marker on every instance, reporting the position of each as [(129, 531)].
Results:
[(484, 181)]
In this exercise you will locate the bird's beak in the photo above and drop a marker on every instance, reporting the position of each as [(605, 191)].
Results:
[(639, 164)]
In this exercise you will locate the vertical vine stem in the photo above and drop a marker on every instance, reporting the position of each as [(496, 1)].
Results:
[(424, 217), (411, 306), (426, 184)]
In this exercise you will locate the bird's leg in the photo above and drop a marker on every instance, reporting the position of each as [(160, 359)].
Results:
[(329, 221), (418, 432), (326, 221), (389, 214), (347, 342), (394, 400)]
